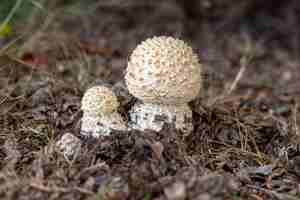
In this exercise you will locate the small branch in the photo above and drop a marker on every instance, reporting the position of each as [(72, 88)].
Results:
[(237, 78), (48, 189), (295, 118), (274, 194)]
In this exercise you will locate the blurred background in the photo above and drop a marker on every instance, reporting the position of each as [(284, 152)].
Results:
[(253, 42)]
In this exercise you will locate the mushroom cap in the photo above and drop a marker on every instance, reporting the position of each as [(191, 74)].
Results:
[(99, 100), (164, 70)]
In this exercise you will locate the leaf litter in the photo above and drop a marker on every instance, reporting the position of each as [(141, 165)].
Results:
[(245, 145)]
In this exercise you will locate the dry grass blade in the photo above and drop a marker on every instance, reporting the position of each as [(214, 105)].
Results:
[(295, 118), (237, 79), (11, 13)]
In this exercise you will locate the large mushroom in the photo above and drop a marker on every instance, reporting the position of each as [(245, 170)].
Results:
[(164, 74)]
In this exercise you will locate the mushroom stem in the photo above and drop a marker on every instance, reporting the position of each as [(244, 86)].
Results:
[(154, 116), (96, 126)]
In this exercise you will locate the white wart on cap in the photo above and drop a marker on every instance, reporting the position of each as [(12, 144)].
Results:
[(164, 70), (99, 100)]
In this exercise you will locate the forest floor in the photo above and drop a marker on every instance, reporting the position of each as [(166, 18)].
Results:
[(246, 141)]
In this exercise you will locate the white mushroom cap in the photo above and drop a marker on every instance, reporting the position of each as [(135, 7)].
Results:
[(153, 116), (164, 70), (99, 100)]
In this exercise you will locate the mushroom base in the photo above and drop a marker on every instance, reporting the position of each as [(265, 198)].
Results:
[(95, 126), (153, 116)]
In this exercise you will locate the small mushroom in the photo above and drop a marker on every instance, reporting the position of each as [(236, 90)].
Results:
[(164, 74), (69, 146), (100, 116)]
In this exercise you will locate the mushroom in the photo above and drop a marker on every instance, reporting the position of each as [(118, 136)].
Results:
[(69, 146), (164, 74), (100, 116)]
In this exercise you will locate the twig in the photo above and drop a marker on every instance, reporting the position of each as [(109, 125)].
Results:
[(237, 78), (83, 190), (244, 61), (48, 189), (274, 194), (11, 43), (295, 118), (92, 168)]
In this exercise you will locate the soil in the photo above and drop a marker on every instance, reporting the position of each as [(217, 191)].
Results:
[(246, 141)]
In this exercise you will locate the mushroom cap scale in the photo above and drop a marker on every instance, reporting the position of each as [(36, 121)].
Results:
[(164, 70), (99, 100)]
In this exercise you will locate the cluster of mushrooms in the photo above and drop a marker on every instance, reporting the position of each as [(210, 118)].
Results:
[(164, 75)]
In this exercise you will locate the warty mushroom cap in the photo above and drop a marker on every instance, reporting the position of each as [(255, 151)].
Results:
[(164, 70), (99, 100)]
